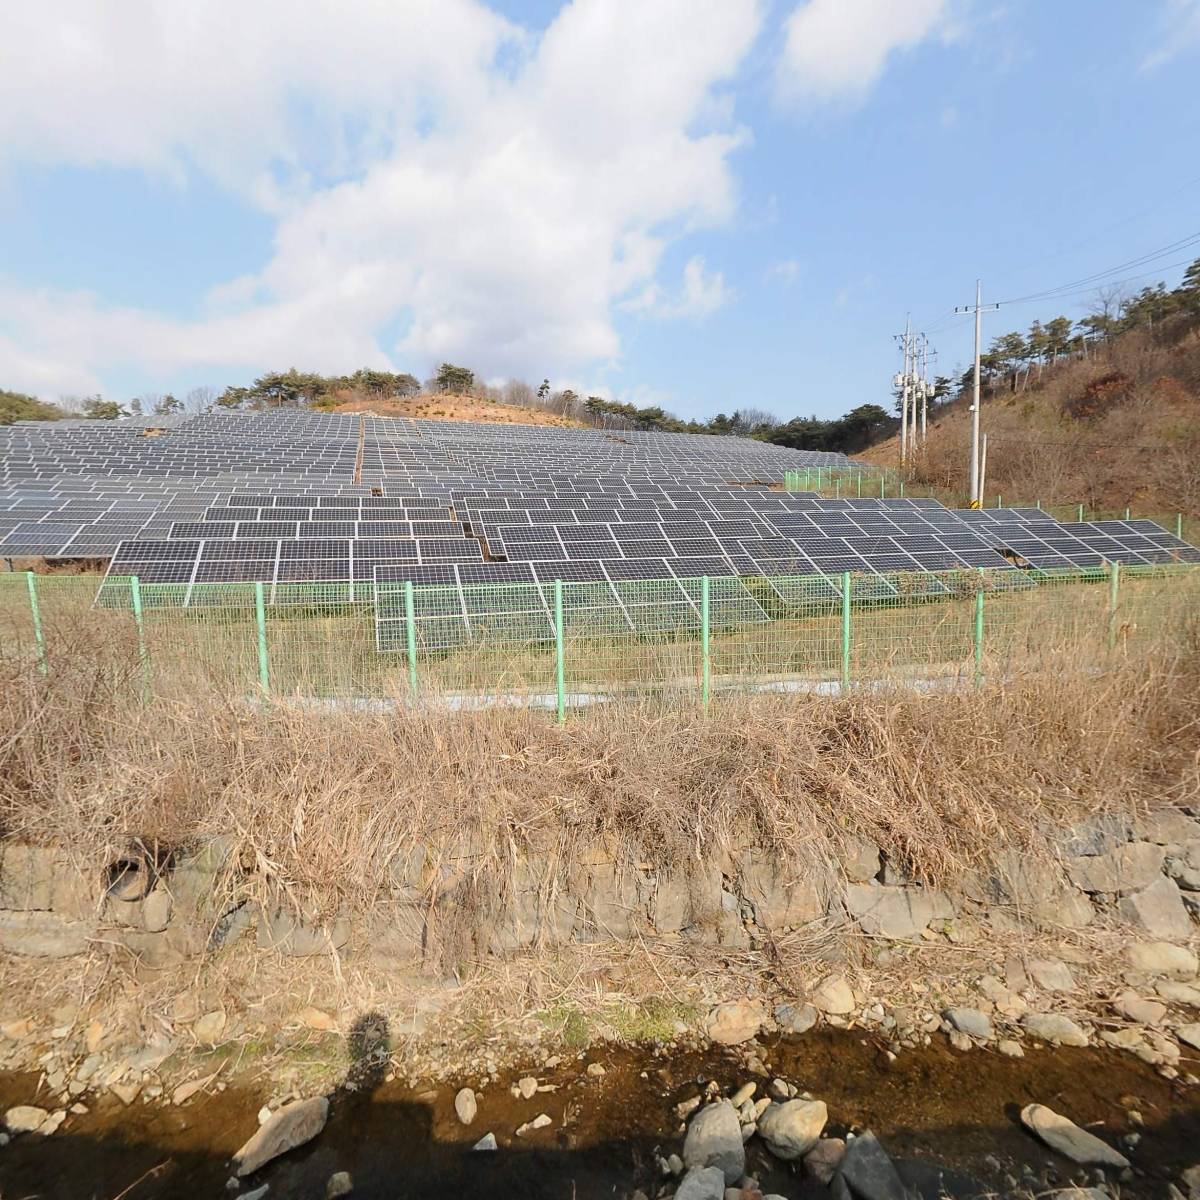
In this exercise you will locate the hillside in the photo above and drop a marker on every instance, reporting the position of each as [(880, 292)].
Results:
[(1118, 427), (450, 406)]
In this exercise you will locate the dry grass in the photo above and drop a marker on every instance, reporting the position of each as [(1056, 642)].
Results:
[(330, 804), (1121, 427), (449, 406)]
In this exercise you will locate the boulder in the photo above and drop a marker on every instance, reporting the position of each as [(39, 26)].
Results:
[(43, 935), (1162, 958), (1125, 869), (1158, 909), (970, 1021), (795, 1018), (898, 913), (793, 1128), (823, 1160), (780, 900), (869, 1171), (1168, 827), (734, 1022), (1055, 1028), (834, 996), (291, 1126), (702, 1183), (714, 1139), (860, 859), (1068, 1139), (41, 879), (287, 932), (1096, 835)]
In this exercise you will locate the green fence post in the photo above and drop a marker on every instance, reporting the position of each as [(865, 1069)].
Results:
[(135, 594), (979, 630), (881, 495), (999, 500), (1127, 512), (705, 660), (845, 632), (902, 489), (410, 634), (1179, 525), (1114, 593), (260, 617), (858, 480), (1038, 506), (1080, 517), (560, 653), (36, 613)]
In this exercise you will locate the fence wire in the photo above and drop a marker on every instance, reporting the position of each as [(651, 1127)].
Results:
[(568, 644)]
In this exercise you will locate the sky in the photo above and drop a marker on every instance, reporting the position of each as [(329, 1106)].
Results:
[(703, 204)]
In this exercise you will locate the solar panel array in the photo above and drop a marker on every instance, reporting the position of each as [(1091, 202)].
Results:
[(362, 504)]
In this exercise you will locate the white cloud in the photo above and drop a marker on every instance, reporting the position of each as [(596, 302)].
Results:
[(1179, 30), (836, 50), (786, 270), (429, 166), (700, 293)]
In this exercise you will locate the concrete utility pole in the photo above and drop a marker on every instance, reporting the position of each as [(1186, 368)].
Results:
[(905, 377), (978, 309), (924, 386)]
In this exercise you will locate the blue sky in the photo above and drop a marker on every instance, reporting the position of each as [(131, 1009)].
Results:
[(703, 205)]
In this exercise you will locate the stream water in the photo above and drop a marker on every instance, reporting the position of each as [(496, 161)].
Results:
[(950, 1118)]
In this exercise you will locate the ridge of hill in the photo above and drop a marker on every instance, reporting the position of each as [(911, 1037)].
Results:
[(1119, 426), (450, 406)]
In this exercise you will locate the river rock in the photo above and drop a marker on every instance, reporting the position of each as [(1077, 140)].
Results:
[(1054, 1027), (869, 1171), (834, 996), (1052, 975), (714, 1139), (291, 1126), (795, 1018), (527, 1086), (970, 1021), (1163, 958), (466, 1106), (1127, 868), (702, 1183), (793, 1128), (823, 1160), (735, 1022), (1144, 1012), (1158, 909), (487, 1142), (25, 1118), (339, 1184), (1068, 1139)]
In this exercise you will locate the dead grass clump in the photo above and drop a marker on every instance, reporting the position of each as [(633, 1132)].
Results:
[(346, 807)]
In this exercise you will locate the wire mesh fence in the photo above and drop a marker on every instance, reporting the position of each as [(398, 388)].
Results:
[(568, 644)]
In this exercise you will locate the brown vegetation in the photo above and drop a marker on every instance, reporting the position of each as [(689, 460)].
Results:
[(450, 406), (1119, 427)]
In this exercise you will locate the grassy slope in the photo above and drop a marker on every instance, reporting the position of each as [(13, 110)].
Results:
[(1119, 428), (448, 406)]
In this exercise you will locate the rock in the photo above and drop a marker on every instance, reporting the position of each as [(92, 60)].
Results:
[(53, 1122), (1144, 1012), (960, 1041), (898, 913), (1189, 1034), (155, 913), (25, 1118), (702, 1183), (185, 1091), (714, 1139), (743, 1094), (795, 1018), (834, 996), (1168, 827), (282, 930), (466, 1106), (538, 1122), (43, 935), (316, 1019), (868, 1170), (1068, 1139), (860, 859), (208, 1029), (291, 1126), (1162, 958), (340, 1184), (595, 1071), (1127, 868), (527, 1086), (1191, 1180), (823, 1160), (258, 1194), (14, 1031), (1158, 909), (970, 1021), (734, 1022), (1052, 975), (1054, 1027), (127, 1093), (793, 1128), (1178, 993), (487, 1142), (1010, 1049)]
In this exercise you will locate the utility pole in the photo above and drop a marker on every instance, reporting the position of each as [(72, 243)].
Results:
[(978, 309), (924, 386)]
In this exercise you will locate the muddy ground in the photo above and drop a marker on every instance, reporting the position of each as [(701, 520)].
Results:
[(934, 1106)]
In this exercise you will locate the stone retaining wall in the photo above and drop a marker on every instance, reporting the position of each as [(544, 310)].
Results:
[(1145, 874)]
